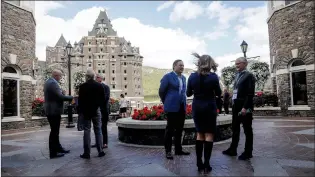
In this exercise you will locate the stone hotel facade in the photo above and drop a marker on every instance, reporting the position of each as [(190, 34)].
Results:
[(292, 55), (108, 54)]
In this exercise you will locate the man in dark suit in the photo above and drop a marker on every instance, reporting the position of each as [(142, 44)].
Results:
[(91, 104), (226, 101), (54, 98), (105, 114), (173, 95), (243, 93)]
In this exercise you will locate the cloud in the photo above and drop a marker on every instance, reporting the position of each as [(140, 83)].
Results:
[(159, 46), (165, 5), (215, 35), (185, 10), (223, 13)]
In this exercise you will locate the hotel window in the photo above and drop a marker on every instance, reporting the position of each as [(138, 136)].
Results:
[(113, 64), (125, 63), (126, 93), (287, 2), (101, 50), (125, 86), (125, 71), (113, 86), (113, 71), (103, 71), (90, 65), (125, 78), (90, 57), (99, 71), (101, 43), (124, 56), (89, 49), (113, 56), (89, 43), (99, 57), (113, 79)]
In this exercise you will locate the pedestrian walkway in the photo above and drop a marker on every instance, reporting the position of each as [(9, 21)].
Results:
[(282, 147)]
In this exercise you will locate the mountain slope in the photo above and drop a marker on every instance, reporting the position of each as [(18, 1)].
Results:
[(151, 81)]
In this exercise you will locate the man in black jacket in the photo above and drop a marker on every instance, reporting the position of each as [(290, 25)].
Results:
[(243, 93), (91, 104)]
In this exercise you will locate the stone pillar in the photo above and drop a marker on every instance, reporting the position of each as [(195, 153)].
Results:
[(310, 81), (26, 95), (284, 93)]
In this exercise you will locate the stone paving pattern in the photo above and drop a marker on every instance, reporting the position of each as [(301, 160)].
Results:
[(282, 147)]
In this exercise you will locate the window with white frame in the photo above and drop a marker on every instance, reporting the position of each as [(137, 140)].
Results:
[(298, 83), (10, 86)]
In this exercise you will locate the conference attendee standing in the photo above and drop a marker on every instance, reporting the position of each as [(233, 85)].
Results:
[(172, 92), (91, 104), (242, 99), (123, 106), (105, 113), (54, 98), (226, 101), (204, 85)]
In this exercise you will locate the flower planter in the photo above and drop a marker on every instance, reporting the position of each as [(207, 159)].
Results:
[(151, 132)]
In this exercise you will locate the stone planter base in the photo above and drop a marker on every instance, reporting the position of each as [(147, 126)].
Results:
[(151, 133)]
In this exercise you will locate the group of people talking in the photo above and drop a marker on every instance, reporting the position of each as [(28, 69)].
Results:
[(205, 88), (93, 107)]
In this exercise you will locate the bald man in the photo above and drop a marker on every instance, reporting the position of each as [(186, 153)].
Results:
[(54, 98)]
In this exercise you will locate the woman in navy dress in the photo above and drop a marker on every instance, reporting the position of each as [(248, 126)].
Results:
[(204, 85)]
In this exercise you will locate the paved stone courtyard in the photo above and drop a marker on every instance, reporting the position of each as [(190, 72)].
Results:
[(282, 147)]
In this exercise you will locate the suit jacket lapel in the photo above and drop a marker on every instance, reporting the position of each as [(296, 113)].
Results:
[(175, 77)]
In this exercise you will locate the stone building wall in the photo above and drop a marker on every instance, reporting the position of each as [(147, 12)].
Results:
[(18, 51), (291, 36)]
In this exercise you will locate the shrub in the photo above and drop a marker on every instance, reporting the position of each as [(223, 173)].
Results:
[(38, 107), (114, 105), (156, 113)]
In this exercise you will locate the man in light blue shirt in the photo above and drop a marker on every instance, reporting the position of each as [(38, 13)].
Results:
[(173, 95)]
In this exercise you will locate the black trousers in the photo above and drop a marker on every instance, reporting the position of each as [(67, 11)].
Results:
[(54, 143), (226, 108), (105, 117), (174, 127), (247, 126)]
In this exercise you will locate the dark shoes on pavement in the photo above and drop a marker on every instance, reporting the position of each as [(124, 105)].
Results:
[(101, 154), (169, 155), (182, 153), (56, 155), (229, 152), (243, 156), (87, 156), (94, 146), (60, 153)]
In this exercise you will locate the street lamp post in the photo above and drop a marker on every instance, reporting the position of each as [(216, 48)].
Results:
[(70, 115), (244, 46)]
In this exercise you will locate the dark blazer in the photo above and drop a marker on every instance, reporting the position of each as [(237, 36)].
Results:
[(246, 90), (54, 98), (91, 98), (169, 92), (107, 96), (205, 89)]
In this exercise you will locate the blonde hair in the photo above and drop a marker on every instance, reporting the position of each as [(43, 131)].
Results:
[(205, 63)]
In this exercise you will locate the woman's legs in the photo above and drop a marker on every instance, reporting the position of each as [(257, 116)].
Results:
[(199, 149), (208, 150)]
